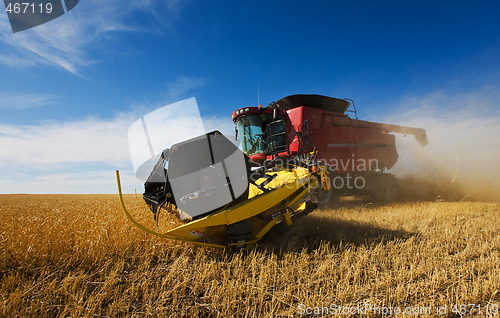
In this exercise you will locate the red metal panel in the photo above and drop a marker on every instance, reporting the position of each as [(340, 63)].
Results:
[(349, 149)]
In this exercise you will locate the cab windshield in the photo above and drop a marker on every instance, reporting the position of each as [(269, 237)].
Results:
[(249, 129)]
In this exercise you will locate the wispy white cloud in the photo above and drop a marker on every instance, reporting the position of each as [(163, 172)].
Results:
[(53, 144), (223, 124), (24, 101), (67, 41), (66, 157), (73, 157), (179, 87), (83, 181)]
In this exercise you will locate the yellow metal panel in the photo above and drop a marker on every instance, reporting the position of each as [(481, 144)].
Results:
[(243, 210), (213, 219), (262, 203), (288, 218), (266, 228), (311, 186)]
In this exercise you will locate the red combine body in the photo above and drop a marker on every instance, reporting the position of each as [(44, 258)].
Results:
[(356, 152)]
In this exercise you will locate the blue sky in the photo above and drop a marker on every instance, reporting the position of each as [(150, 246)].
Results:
[(70, 88)]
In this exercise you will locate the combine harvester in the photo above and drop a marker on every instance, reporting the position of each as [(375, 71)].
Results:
[(357, 153), (230, 197)]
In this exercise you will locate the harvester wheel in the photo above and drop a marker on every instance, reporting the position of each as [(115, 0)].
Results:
[(329, 199), (332, 203), (324, 197), (383, 187)]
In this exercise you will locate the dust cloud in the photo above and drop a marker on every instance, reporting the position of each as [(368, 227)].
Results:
[(462, 159)]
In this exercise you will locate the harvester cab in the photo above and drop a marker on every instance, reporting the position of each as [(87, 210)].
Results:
[(262, 132)]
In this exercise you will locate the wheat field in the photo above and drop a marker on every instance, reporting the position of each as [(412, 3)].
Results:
[(78, 256)]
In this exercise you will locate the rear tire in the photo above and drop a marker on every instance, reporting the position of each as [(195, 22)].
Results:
[(383, 187)]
